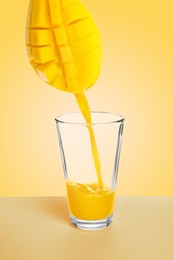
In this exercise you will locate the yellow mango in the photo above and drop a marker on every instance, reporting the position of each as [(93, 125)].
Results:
[(55, 13), (34, 64), (88, 60), (56, 17), (86, 45), (66, 53), (43, 54), (70, 69), (73, 13), (41, 37), (40, 20), (82, 29), (53, 4), (65, 3), (61, 36), (63, 44), (74, 85), (87, 77), (60, 83), (39, 6), (49, 71)]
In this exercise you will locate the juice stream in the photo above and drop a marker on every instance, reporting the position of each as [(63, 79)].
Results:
[(91, 201), (84, 107)]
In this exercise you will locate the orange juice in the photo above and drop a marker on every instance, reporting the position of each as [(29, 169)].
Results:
[(85, 110), (89, 201)]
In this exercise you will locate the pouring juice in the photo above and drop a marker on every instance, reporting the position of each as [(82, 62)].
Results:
[(64, 48)]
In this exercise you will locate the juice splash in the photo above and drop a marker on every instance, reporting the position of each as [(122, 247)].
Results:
[(88, 201)]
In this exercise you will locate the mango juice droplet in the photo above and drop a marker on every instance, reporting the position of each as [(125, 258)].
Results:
[(64, 48)]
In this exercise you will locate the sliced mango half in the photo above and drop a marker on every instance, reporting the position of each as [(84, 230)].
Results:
[(63, 44)]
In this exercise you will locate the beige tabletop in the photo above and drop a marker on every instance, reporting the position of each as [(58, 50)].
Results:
[(39, 229)]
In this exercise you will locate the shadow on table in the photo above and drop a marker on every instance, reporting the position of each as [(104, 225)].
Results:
[(49, 207), (55, 207)]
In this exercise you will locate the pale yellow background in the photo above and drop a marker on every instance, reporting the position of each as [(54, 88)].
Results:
[(136, 81)]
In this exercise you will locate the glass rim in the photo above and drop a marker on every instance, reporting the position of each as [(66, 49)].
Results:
[(118, 118)]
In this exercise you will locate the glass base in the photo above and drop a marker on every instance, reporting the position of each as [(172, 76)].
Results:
[(91, 224)]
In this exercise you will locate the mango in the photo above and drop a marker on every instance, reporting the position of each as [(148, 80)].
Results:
[(63, 44)]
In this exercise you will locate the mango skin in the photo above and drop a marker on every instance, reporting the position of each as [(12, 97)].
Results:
[(63, 44)]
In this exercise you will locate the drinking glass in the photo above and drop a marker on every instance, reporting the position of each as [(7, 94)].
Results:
[(90, 156)]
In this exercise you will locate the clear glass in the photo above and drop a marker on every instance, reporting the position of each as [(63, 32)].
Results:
[(91, 204)]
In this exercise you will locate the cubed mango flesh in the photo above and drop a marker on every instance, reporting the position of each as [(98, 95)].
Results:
[(63, 44)]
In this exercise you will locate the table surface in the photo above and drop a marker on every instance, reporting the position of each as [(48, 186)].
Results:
[(38, 228)]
